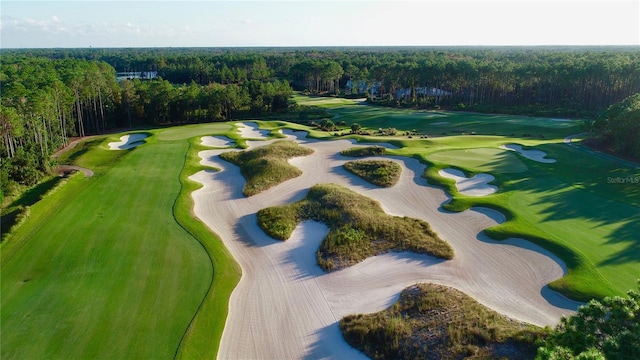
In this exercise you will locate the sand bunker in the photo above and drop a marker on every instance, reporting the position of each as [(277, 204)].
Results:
[(216, 141), (284, 295), (250, 130), (535, 155), (477, 185), (128, 141)]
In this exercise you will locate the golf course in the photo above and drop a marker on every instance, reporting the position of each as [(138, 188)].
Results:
[(160, 255)]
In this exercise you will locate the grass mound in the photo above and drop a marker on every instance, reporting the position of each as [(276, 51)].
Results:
[(437, 322), (267, 166), (384, 173), (364, 151), (359, 228)]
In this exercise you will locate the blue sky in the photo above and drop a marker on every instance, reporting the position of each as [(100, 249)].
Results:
[(37, 24)]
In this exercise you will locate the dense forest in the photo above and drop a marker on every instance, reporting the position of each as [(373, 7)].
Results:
[(50, 95)]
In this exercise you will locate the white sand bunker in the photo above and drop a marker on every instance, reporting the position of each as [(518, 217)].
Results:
[(250, 131), (535, 155), (216, 141), (477, 185), (128, 141)]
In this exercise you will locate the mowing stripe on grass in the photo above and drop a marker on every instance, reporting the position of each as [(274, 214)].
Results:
[(112, 275)]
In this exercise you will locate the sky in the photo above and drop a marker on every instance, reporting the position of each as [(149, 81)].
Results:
[(83, 24)]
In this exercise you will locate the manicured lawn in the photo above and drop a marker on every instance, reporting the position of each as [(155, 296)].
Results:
[(440, 123), (102, 269)]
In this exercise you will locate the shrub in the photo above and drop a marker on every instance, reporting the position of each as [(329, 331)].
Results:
[(606, 329)]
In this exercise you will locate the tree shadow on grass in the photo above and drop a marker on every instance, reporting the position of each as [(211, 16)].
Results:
[(568, 203), (628, 234), (36, 193)]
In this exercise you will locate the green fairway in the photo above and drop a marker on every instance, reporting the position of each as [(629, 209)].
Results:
[(102, 269), (440, 123)]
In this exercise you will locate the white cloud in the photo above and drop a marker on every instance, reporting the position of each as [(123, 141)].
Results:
[(54, 31)]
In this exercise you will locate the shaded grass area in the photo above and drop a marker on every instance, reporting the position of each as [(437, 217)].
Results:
[(18, 209), (437, 322), (101, 267), (358, 227), (267, 166), (364, 151), (385, 173)]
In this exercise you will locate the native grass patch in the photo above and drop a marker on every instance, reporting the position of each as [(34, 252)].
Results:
[(385, 173), (363, 151), (266, 166), (437, 322), (359, 228)]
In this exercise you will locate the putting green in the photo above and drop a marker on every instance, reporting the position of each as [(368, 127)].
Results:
[(482, 160), (189, 131)]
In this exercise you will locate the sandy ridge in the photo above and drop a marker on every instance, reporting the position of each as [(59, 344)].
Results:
[(285, 306)]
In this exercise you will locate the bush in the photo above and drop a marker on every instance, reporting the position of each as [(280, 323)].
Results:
[(606, 329)]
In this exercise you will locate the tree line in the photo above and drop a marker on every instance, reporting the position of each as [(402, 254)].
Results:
[(49, 95), (558, 81)]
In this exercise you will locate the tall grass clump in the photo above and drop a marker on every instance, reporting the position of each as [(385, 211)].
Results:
[(267, 166), (364, 151), (437, 322), (385, 173), (358, 227)]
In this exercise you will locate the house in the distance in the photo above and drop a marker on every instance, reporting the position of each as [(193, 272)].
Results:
[(421, 91), (130, 75)]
